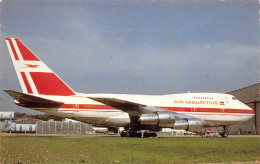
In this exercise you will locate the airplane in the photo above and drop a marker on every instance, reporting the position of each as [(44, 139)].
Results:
[(140, 115)]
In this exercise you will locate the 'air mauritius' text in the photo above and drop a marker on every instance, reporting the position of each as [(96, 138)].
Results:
[(196, 102)]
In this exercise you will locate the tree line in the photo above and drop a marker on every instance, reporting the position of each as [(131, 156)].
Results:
[(44, 117)]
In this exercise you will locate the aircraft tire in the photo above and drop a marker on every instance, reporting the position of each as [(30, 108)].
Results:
[(146, 135), (224, 135), (138, 134), (153, 134), (225, 132), (124, 134), (131, 134)]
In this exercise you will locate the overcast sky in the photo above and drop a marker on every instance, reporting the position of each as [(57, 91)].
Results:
[(136, 47)]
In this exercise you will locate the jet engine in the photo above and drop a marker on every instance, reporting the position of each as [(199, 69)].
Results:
[(168, 120), (190, 124), (161, 119)]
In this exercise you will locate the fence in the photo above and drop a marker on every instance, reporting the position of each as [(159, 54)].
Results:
[(5, 125), (58, 127)]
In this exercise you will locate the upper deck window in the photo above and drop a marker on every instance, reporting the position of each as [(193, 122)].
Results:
[(202, 97)]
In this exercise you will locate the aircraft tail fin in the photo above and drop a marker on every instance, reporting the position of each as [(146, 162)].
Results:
[(34, 76)]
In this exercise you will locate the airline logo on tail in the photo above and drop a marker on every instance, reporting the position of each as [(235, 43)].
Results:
[(34, 76), (31, 66)]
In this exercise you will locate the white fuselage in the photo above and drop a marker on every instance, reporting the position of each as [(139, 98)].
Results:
[(44, 91), (213, 108)]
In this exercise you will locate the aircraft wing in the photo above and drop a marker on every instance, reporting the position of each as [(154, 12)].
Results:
[(31, 99), (134, 109)]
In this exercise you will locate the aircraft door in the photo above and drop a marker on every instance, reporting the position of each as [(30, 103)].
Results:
[(76, 106), (193, 110)]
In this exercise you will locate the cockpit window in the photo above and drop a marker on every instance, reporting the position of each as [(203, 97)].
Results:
[(233, 98)]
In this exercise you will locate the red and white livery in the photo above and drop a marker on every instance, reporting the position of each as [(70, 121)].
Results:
[(44, 91)]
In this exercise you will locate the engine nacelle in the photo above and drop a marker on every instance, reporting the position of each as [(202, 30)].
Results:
[(168, 120), (160, 119), (193, 125)]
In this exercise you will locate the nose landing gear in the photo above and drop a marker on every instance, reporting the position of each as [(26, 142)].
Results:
[(224, 134)]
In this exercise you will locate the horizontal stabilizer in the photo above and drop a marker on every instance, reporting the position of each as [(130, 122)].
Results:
[(30, 99)]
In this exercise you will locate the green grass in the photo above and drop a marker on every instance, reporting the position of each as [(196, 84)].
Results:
[(32, 149)]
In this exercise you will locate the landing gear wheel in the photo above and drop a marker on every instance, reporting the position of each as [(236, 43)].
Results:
[(153, 134), (124, 134), (224, 135), (147, 134), (127, 133), (225, 132), (138, 134), (131, 134)]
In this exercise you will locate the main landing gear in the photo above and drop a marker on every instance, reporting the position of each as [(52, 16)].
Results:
[(224, 134), (131, 133), (149, 134)]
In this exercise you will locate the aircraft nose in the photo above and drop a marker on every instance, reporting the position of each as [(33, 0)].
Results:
[(249, 109), (253, 112)]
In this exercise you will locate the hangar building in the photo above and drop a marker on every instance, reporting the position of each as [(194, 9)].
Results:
[(251, 96)]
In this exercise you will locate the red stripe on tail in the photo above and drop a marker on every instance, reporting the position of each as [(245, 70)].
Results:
[(25, 52), (13, 49), (26, 82), (49, 84)]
